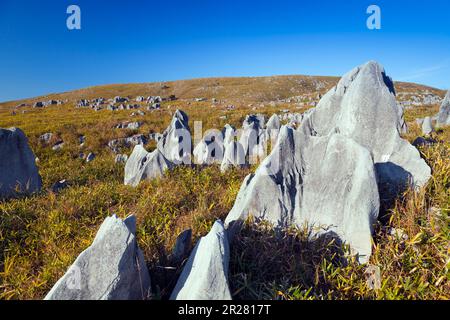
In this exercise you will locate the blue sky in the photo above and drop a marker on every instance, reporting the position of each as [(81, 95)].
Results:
[(160, 40)]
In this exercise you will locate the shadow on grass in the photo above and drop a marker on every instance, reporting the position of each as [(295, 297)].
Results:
[(266, 263)]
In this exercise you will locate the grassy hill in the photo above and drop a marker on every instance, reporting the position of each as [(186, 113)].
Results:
[(41, 235)]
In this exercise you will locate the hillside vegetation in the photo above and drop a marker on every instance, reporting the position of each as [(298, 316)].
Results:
[(41, 235)]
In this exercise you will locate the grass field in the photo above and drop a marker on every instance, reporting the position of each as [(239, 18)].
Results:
[(41, 235)]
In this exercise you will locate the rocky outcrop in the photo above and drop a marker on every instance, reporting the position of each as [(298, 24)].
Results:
[(111, 268), (210, 149), (205, 275), (427, 126), (363, 107), (175, 143), (142, 165), (234, 155), (443, 118), (18, 171), (327, 183)]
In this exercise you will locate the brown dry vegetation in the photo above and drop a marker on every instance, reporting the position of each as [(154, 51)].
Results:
[(41, 235)]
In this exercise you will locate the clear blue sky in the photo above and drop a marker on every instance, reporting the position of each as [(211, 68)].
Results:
[(159, 40)]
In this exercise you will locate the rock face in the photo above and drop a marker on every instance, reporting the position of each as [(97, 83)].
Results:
[(443, 118), (234, 155), (18, 170), (363, 107), (205, 275), (210, 149), (325, 182), (142, 165), (253, 138), (175, 143), (273, 128), (112, 268), (427, 126)]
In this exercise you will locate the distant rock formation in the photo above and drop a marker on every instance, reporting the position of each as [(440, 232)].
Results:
[(18, 171), (111, 268), (443, 118), (427, 126), (142, 165), (176, 143), (205, 275), (234, 155)]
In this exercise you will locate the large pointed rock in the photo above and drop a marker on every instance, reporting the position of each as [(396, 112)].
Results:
[(427, 126), (443, 118), (18, 170), (327, 183), (142, 165), (363, 107), (210, 149), (175, 143), (205, 275), (234, 155), (253, 138), (112, 268)]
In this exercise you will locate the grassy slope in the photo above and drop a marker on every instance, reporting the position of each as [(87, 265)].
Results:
[(40, 236)]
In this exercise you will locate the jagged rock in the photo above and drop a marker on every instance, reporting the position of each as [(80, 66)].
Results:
[(273, 128), (234, 155), (210, 149), (175, 143), (253, 138), (182, 246), (363, 107), (18, 170), (121, 158), (205, 275), (129, 125), (142, 165), (90, 157), (443, 118), (427, 126), (324, 181), (111, 268)]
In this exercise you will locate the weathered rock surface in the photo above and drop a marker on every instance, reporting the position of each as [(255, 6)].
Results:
[(427, 126), (142, 165), (234, 155), (324, 181), (205, 275), (111, 268), (363, 107), (443, 118), (210, 149), (18, 170), (176, 143)]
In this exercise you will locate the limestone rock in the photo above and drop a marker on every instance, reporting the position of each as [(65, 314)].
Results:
[(427, 126), (205, 275), (234, 155), (210, 149), (327, 182), (111, 268), (18, 170), (443, 118), (142, 165), (175, 143), (363, 107)]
